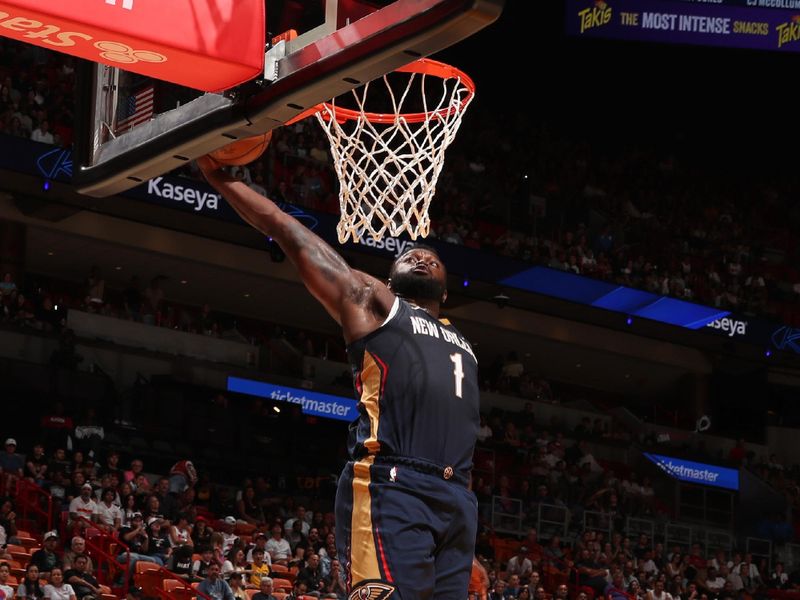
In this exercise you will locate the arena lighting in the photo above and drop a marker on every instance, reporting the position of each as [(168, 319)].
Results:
[(629, 321), (768, 353), (466, 282), (46, 185), (276, 409)]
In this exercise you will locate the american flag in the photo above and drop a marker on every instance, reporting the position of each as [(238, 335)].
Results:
[(138, 109)]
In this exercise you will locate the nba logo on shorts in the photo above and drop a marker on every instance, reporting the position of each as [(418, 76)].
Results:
[(393, 474)]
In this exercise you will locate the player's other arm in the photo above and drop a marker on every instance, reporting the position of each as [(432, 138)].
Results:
[(357, 301)]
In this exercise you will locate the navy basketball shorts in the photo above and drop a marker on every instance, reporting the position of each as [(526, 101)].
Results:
[(405, 529)]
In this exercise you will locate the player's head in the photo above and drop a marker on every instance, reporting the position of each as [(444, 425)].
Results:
[(419, 274)]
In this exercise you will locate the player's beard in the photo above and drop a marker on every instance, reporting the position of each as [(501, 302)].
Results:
[(413, 286)]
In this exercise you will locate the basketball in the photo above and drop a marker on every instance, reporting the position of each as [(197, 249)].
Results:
[(242, 152)]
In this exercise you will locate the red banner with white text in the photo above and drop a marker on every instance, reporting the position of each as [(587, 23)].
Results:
[(210, 45)]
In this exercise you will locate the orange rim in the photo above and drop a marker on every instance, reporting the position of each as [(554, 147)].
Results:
[(423, 66)]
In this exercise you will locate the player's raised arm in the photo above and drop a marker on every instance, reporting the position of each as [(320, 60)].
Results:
[(357, 301)]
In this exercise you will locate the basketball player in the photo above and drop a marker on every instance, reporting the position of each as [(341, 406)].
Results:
[(405, 516)]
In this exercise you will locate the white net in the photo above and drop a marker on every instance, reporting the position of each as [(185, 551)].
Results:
[(388, 163)]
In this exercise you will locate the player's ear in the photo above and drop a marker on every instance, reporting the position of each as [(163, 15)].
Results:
[(389, 283)]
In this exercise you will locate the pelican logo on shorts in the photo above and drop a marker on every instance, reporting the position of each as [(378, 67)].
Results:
[(372, 590)]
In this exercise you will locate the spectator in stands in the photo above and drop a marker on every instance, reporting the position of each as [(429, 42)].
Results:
[(278, 547), (29, 587), (83, 508), (136, 469), (514, 587), (299, 515), (181, 562), (8, 522), (182, 476), (7, 285), (311, 575), (57, 588), (152, 508), (675, 567), (295, 536), (735, 580), (714, 582), (11, 464), (229, 538), (264, 590), (36, 465), (82, 581), (127, 503), (333, 584), (498, 591), (46, 558), (248, 509), (77, 547), (215, 586), (201, 565), (257, 568), (180, 533), (167, 502), (314, 542), (616, 590), (260, 542), (238, 590), (107, 514), (235, 562), (520, 565), (201, 533), (137, 539), (299, 590), (6, 591), (160, 547), (42, 133), (591, 573)]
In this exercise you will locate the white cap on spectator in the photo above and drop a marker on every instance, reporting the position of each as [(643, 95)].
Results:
[(230, 520), (86, 486), (11, 442), (51, 535)]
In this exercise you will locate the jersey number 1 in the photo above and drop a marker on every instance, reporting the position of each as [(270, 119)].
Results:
[(458, 371)]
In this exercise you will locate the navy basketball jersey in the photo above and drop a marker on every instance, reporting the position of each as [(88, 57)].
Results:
[(416, 379)]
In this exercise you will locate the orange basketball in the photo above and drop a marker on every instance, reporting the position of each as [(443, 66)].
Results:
[(242, 152)]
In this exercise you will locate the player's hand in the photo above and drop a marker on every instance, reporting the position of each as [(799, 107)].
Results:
[(208, 165)]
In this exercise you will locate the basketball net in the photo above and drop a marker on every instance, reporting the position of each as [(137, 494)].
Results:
[(388, 163)]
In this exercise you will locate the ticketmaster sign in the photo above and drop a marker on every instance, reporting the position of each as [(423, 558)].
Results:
[(312, 403), (695, 472)]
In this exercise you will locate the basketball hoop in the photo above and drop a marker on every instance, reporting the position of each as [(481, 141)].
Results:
[(388, 162)]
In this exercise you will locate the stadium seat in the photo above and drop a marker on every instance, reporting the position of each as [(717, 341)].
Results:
[(178, 590), (279, 595), (251, 593), (279, 569), (149, 577), (281, 584)]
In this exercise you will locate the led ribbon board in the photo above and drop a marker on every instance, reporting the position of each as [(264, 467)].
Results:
[(313, 403), (695, 472)]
